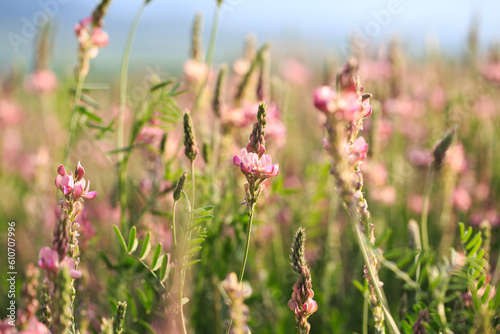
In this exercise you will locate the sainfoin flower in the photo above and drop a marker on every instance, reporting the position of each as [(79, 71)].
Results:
[(49, 260), (358, 150), (75, 186), (251, 163)]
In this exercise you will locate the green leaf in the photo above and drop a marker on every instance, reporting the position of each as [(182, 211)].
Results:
[(195, 241), (132, 240), (473, 242), (90, 101), (158, 263), (161, 84), (192, 262), (144, 300), (203, 210), (358, 285), (146, 247), (163, 269), (192, 250), (156, 256), (120, 237), (186, 200), (122, 149), (82, 110)]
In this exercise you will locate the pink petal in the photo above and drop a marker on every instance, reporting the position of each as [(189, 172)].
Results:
[(61, 170), (90, 195), (58, 181), (244, 168), (236, 160), (78, 190)]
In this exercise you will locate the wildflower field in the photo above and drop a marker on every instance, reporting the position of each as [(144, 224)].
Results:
[(263, 194)]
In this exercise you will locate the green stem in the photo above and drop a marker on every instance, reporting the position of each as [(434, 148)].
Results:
[(210, 54), (74, 115), (247, 245), (374, 279), (121, 162), (425, 208), (173, 226)]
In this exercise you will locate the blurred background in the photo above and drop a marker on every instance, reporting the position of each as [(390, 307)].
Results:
[(294, 27)]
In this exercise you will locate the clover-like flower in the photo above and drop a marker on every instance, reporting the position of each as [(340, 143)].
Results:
[(49, 260), (74, 186), (250, 163)]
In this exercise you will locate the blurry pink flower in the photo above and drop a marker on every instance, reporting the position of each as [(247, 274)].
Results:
[(461, 199), (385, 195), (34, 327), (404, 106), (323, 96), (351, 108), (370, 70), (10, 113), (491, 72), (48, 259), (455, 158), (195, 70), (151, 135), (99, 37), (250, 163), (415, 202), (438, 98), (482, 191), (294, 71), (82, 27), (241, 66), (377, 175), (484, 107), (70, 263), (358, 150), (420, 157), (41, 82)]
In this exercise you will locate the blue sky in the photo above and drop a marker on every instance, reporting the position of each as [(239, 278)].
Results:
[(293, 27)]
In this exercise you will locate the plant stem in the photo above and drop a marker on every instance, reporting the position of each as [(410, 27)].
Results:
[(247, 245), (425, 208), (74, 115), (210, 54), (173, 225), (121, 162)]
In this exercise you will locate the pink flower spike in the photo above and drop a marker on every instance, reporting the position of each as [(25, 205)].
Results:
[(61, 171), (48, 258), (323, 97)]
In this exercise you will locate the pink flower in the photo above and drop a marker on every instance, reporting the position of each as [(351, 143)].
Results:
[(250, 163), (48, 259), (455, 158), (350, 107), (34, 327), (10, 113), (323, 97), (295, 72), (99, 37), (74, 187), (195, 70), (358, 150), (461, 199), (41, 82)]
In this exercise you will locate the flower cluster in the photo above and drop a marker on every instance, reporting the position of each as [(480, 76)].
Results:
[(254, 163), (237, 293), (49, 260), (73, 186), (302, 302), (90, 37)]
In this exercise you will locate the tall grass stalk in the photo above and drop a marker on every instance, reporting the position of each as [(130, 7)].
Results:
[(121, 160)]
